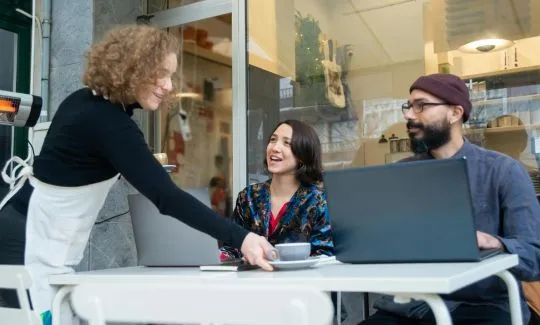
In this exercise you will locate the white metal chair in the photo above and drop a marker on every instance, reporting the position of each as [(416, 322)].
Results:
[(16, 277), (174, 303)]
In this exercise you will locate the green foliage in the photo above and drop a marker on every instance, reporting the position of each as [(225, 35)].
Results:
[(309, 55), (310, 84)]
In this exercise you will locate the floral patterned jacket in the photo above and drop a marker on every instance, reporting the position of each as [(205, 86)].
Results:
[(305, 218)]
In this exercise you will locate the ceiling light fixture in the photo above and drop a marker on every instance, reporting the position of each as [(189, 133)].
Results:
[(486, 45)]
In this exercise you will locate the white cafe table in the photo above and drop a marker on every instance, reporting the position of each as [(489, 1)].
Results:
[(404, 281)]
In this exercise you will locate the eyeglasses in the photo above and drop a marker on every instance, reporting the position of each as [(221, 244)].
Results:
[(418, 107)]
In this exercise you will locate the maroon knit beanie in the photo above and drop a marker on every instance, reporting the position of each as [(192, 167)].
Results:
[(447, 87)]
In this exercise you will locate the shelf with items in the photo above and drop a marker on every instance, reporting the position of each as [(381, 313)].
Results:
[(511, 128), (210, 55), (517, 83), (508, 100), (513, 95), (499, 129), (514, 128), (501, 72)]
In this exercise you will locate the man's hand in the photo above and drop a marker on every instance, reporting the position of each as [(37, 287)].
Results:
[(254, 248), (486, 241)]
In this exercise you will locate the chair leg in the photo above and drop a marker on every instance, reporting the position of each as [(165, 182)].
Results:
[(57, 303)]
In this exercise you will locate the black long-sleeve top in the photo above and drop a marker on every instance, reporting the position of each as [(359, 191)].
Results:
[(91, 140)]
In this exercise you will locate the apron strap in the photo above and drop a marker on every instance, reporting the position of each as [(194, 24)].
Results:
[(19, 172)]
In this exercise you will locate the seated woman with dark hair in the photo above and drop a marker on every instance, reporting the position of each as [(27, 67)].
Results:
[(291, 205)]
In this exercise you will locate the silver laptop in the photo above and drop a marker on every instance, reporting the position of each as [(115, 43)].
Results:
[(162, 240)]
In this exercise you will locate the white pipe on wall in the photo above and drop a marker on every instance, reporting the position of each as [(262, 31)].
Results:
[(45, 54), (32, 41), (32, 64), (32, 46)]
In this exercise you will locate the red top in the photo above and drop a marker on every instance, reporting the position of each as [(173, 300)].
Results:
[(274, 221)]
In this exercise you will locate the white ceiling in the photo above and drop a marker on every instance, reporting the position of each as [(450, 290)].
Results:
[(391, 29), (382, 32), (387, 32)]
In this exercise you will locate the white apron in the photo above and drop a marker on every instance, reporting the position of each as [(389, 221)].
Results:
[(59, 222)]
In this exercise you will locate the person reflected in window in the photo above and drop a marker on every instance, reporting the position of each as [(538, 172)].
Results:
[(291, 205), (218, 195)]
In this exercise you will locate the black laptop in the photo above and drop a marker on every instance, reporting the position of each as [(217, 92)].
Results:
[(409, 212)]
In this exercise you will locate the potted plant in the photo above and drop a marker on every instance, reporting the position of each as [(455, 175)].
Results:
[(309, 87)]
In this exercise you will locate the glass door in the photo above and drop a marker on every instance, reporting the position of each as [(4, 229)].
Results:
[(196, 133)]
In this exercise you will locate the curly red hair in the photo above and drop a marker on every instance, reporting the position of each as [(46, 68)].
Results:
[(126, 59)]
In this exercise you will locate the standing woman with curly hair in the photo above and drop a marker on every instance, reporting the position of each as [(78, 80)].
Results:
[(92, 140)]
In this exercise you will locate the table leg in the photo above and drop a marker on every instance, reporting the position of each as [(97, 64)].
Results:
[(440, 311), (513, 296), (352, 303), (338, 307), (57, 303)]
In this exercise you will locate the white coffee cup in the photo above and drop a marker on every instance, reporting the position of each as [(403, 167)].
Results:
[(293, 251)]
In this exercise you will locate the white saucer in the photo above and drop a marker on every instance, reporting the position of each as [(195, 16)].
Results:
[(293, 265)]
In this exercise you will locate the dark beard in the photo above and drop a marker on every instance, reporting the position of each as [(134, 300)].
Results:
[(435, 136)]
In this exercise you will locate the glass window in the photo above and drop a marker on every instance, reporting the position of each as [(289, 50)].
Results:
[(160, 5), (196, 132), (8, 60), (8, 77), (345, 67)]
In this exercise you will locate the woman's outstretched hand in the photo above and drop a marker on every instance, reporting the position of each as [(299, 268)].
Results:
[(255, 250)]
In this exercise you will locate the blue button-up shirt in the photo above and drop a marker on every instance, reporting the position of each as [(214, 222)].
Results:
[(505, 205)]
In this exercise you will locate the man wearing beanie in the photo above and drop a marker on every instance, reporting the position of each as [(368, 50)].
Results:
[(507, 213)]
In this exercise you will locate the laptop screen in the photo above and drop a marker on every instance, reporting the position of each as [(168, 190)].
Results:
[(405, 212)]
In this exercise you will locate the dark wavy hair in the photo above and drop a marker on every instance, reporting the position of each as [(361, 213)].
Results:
[(306, 148)]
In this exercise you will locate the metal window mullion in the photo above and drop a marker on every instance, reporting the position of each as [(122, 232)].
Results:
[(191, 13), (239, 89)]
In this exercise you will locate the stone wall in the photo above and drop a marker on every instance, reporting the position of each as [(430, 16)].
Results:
[(75, 25)]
